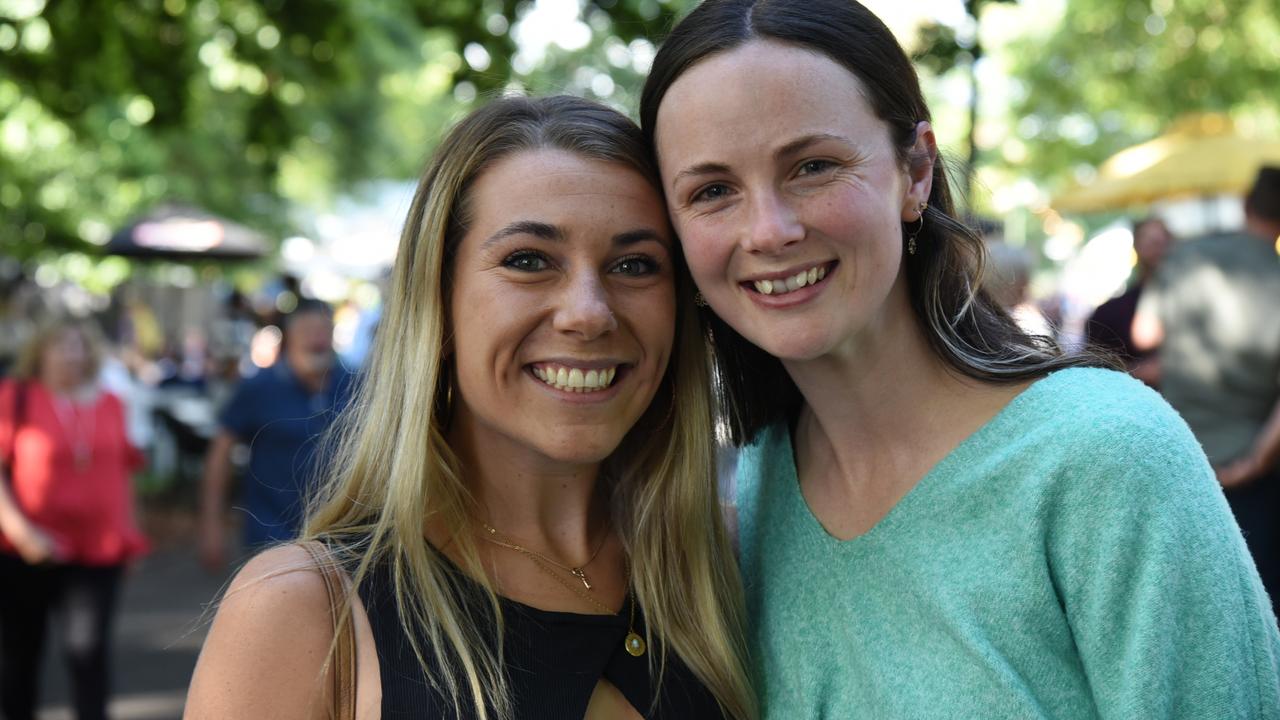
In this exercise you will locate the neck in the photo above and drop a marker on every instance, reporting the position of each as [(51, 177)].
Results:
[(58, 384), (885, 408), (880, 392), (529, 498)]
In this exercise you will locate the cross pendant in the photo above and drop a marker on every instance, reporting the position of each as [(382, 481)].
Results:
[(581, 575)]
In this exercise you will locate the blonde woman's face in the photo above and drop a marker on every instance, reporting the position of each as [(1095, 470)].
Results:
[(562, 308)]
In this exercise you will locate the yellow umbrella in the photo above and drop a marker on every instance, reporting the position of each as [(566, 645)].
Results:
[(1200, 155)]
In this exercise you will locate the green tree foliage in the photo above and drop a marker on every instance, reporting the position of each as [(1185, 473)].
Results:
[(944, 48), (1116, 72), (110, 106)]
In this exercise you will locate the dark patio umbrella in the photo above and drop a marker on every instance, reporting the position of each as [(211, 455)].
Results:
[(182, 232)]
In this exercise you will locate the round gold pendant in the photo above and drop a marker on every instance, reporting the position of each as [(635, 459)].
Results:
[(634, 644)]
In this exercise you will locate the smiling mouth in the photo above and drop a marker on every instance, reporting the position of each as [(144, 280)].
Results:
[(791, 283), (572, 379)]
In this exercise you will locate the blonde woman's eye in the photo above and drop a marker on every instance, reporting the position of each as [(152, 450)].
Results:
[(526, 261)]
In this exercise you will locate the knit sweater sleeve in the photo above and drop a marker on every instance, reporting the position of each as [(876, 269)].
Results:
[(1164, 602)]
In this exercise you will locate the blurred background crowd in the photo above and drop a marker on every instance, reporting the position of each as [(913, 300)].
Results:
[(199, 200)]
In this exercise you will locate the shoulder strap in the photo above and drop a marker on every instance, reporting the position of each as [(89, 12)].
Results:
[(344, 654)]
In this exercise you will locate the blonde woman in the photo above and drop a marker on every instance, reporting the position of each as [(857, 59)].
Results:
[(522, 495), (67, 527)]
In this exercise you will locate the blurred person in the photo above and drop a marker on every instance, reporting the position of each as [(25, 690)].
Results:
[(140, 331), (21, 305), (525, 497), (1214, 313), (230, 338), (280, 414), (67, 525), (1110, 327), (1008, 282), (367, 325)]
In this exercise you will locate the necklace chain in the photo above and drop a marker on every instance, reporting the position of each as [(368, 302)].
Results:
[(81, 441), (579, 571), (633, 643), (575, 590)]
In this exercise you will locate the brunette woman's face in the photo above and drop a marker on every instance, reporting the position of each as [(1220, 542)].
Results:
[(789, 197), (562, 306), (65, 360)]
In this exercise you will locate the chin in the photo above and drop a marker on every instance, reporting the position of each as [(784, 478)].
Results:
[(796, 347), (586, 451)]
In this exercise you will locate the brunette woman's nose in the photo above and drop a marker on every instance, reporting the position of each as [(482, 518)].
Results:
[(774, 225)]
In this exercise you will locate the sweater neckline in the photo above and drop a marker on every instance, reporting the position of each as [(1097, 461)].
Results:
[(920, 492)]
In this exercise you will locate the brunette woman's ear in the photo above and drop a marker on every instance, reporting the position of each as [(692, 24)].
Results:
[(920, 161)]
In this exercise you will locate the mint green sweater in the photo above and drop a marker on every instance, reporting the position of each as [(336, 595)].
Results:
[(1074, 558)]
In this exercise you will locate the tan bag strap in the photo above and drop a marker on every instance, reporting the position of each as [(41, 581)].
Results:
[(344, 655)]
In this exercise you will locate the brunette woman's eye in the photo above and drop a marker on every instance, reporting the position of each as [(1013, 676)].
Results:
[(813, 167), (526, 261), (636, 266), (711, 193)]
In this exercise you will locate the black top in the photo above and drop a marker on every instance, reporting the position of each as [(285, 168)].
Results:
[(553, 660)]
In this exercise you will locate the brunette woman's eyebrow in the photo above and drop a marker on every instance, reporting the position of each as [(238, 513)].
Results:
[(706, 168), (803, 143)]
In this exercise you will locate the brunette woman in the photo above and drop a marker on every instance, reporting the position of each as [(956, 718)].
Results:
[(940, 516)]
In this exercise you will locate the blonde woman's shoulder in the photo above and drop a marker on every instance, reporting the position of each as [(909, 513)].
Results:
[(266, 650)]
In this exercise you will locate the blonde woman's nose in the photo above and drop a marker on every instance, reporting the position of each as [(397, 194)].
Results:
[(585, 309)]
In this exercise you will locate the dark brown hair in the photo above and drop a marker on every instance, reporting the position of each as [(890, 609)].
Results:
[(1263, 199), (965, 327)]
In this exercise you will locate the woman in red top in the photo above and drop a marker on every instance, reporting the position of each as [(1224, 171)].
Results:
[(66, 516)]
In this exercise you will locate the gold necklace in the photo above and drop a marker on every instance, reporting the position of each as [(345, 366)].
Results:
[(579, 571), (633, 643)]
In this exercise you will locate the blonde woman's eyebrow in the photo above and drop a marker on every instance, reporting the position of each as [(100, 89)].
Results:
[(544, 231), (547, 231), (639, 235)]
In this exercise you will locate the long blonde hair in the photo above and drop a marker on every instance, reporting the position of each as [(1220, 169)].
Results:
[(392, 467)]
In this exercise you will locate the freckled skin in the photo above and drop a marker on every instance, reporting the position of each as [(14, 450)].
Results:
[(840, 199), (526, 299)]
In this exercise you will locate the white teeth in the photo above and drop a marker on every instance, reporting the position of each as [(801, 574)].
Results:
[(575, 379), (791, 284)]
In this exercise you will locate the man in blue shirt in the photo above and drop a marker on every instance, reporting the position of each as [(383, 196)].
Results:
[(280, 414)]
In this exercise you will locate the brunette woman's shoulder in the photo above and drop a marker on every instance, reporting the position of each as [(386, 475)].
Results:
[(266, 650)]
